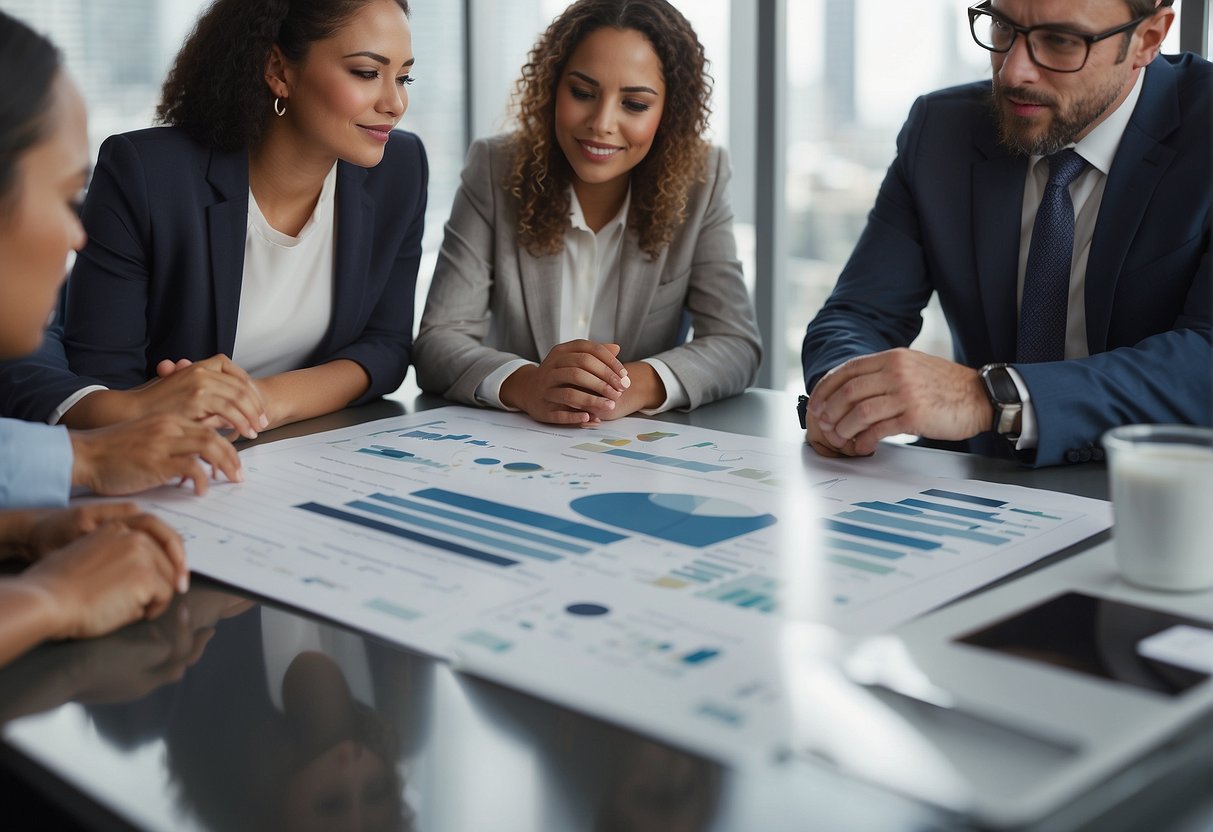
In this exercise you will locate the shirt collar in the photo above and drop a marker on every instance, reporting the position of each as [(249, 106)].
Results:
[(577, 217), (1099, 146)]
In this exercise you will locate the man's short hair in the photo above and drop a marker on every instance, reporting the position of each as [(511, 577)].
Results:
[(1140, 7)]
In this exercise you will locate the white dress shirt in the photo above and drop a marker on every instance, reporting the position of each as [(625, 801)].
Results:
[(1098, 148), (589, 300)]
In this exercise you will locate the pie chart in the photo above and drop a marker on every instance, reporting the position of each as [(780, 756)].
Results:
[(689, 519)]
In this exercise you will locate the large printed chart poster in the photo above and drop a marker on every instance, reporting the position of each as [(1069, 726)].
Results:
[(639, 570)]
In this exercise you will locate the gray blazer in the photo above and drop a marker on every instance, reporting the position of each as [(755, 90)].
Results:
[(492, 302)]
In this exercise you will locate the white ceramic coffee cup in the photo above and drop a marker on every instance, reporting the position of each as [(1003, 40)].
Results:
[(1161, 480)]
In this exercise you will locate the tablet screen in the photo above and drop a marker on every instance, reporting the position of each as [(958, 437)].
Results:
[(1100, 637)]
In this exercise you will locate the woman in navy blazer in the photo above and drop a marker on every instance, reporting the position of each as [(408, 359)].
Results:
[(264, 99)]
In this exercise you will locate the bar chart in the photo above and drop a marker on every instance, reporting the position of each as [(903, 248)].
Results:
[(903, 538), (471, 527)]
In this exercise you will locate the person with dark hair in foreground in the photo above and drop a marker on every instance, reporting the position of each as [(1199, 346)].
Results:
[(94, 568)]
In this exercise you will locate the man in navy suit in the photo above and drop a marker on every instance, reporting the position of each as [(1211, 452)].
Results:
[(1063, 216)]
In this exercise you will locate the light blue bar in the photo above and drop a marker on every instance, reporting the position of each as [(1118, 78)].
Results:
[(856, 563), (700, 466), (735, 595), (593, 534), (863, 548), (692, 576), (483, 524), (713, 567), (865, 516), (899, 509), (985, 516), (454, 531), (485, 639), (890, 508), (628, 454), (392, 608), (756, 601), (1036, 513)]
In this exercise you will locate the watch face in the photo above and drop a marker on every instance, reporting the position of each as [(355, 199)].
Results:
[(1001, 386)]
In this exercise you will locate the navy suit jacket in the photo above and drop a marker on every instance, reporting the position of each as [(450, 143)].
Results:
[(160, 275), (947, 220)]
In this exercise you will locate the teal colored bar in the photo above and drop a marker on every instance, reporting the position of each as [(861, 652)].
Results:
[(713, 567), (483, 639), (384, 605), (863, 548), (735, 595), (693, 576)]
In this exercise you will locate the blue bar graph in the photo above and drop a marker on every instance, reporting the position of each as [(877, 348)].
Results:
[(700, 656), (455, 531), (582, 531), (884, 537), (865, 516), (500, 528), (407, 534), (963, 498)]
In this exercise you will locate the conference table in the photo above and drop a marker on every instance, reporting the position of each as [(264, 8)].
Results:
[(168, 725)]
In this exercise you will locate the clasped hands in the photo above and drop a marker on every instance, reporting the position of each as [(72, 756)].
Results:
[(582, 383), (863, 400)]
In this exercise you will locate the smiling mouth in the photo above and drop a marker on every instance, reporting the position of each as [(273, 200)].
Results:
[(378, 131), (599, 151)]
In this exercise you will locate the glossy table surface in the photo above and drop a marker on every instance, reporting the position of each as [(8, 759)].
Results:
[(170, 724)]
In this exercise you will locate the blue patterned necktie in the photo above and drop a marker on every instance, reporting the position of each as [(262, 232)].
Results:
[(1046, 281)]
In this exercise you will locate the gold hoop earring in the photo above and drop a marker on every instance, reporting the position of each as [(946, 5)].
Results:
[(279, 107)]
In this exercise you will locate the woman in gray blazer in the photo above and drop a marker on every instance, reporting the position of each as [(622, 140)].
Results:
[(580, 244)]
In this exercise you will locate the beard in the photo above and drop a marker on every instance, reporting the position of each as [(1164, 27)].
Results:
[(1022, 136)]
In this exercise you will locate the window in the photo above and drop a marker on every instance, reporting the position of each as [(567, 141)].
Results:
[(843, 95)]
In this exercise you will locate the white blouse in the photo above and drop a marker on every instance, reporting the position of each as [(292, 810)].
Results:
[(286, 293)]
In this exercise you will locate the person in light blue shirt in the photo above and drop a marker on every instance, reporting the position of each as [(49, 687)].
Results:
[(92, 568), (37, 467)]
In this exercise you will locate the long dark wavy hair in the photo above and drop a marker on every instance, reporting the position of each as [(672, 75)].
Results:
[(217, 87), (540, 174), (29, 64)]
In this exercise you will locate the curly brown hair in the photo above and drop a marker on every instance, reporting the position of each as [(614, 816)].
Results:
[(540, 174), (217, 88)]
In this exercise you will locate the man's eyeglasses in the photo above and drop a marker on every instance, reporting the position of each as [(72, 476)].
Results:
[(1050, 47)]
